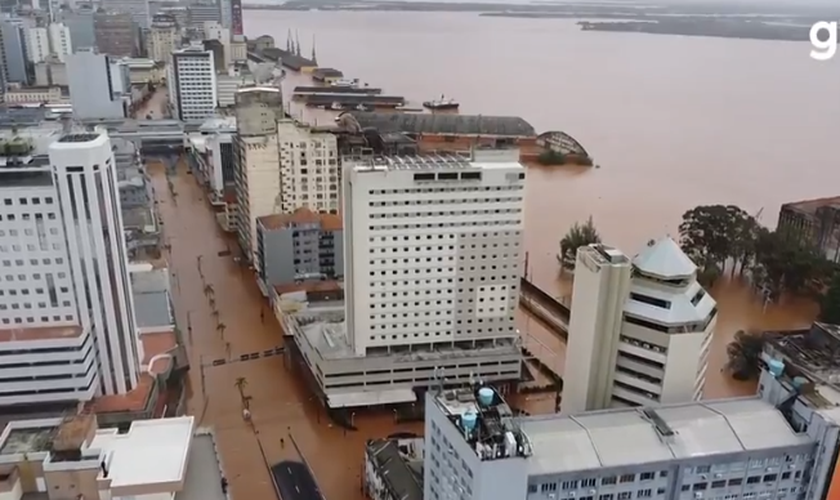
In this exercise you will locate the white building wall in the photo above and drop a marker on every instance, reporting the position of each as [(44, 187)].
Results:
[(163, 41), (405, 237), (311, 176), (87, 185), (60, 42), (262, 168), (37, 44), (601, 287), (194, 76)]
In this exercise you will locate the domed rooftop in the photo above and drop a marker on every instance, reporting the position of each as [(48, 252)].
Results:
[(664, 259)]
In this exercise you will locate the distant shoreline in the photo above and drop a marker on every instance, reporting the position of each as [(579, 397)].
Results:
[(682, 19)]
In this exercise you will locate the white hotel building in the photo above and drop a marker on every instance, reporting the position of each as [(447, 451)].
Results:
[(67, 328), (640, 329), (433, 252)]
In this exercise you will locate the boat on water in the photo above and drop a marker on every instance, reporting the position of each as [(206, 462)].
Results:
[(353, 84), (336, 106), (441, 104)]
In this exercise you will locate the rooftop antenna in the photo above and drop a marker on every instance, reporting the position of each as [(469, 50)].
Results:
[(297, 44), (314, 57)]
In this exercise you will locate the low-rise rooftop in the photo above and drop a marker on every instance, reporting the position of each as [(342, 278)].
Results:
[(328, 222), (151, 452), (635, 436), (394, 469), (444, 124)]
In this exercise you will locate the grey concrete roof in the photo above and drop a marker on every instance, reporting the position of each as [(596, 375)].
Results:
[(511, 126), (395, 472), (151, 298), (627, 437)]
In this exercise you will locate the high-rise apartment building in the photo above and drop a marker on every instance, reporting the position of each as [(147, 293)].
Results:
[(117, 34), (257, 161), (192, 84), (60, 43), (309, 170), (433, 249), (163, 38), (67, 328), (640, 329), (432, 260), (100, 86), (37, 44)]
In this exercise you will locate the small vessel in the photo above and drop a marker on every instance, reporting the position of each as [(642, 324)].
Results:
[(353, 84), (441, 104), (336, 106), (363, 107)]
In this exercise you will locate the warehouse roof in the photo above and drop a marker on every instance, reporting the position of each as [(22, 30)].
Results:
[(419, 123)]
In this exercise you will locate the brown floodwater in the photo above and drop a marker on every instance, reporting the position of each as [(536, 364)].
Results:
[(674, 122)]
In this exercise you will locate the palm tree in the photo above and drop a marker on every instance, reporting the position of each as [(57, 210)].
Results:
[(240, 384), (579, 235), (215, 313), (208, 290), (212, 302), (221, 327)]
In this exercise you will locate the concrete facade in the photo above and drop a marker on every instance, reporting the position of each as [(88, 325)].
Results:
[(298, 247), (116, 34), (100, 86), (738, 448), (640, 341), (192, 84)]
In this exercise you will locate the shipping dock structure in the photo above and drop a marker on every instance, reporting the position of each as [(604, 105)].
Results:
[(350, 101), (302, 92)]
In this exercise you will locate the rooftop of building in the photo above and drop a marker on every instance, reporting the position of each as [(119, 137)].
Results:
[(664, 259), (636, 436), (815, 351), (78, 137), (393, 467), (809, 207), (445, 124), (434, 161), (133, 401), (160, 445), (40, 333), (204, 476), (328, 222)]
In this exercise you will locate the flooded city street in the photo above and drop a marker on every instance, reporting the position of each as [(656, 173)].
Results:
[(280, 405)]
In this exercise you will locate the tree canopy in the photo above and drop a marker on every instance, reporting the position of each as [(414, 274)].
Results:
[(830, 304), (744, 354), (716, 235), (579, 235)]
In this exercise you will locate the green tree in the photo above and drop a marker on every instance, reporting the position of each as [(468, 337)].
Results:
[(744, 353), (830, 303), (579, 235), (787, 264), (709, 234)]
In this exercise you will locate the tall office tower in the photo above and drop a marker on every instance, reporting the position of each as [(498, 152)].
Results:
[(164, 38), (432, 250), (100, 86), (116, 33), (192, 84), (257, 160), (13, 52), (60, 43), (66, 317), (310, 176), (641, 340), (83, 166), (80, 24), (237, 26)]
